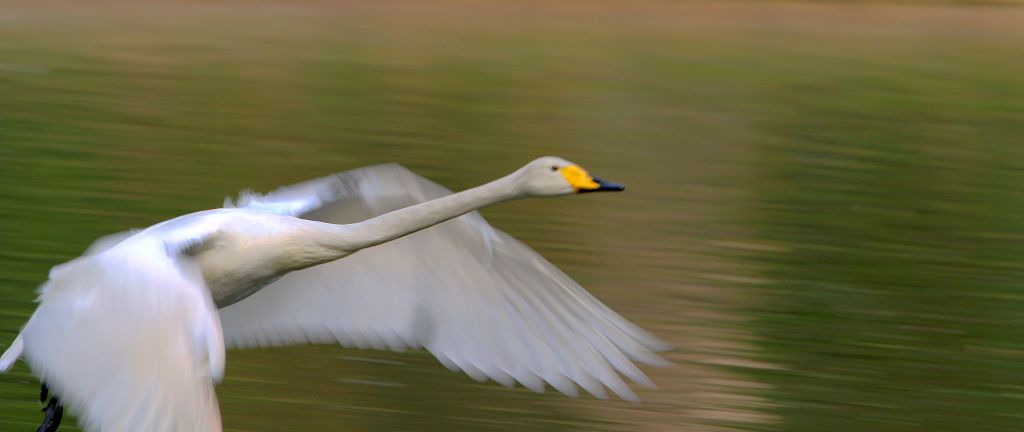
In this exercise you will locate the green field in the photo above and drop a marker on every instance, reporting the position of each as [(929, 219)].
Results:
[(822, 212)]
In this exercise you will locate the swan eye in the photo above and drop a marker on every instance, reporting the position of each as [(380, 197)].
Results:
[(554, 168)]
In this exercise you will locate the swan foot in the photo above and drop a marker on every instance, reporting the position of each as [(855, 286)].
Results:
[(54, 412)]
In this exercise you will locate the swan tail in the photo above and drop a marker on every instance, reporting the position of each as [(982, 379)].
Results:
[(12, 354)]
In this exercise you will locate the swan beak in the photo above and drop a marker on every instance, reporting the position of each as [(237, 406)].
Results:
[(605, 186), (582, 182)]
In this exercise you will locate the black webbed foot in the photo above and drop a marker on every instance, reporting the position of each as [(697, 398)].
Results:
[(54, 412)]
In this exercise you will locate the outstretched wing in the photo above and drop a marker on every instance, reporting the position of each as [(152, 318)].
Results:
[(476, 298), (129, 340)]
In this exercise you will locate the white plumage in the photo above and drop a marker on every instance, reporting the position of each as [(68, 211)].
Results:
[(128, 335)]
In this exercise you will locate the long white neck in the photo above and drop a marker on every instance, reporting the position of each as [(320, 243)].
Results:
[(320, 242), (402, 222), (234, 270)]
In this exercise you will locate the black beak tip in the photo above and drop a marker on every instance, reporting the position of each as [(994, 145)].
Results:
[(613, 187), (607, 186)]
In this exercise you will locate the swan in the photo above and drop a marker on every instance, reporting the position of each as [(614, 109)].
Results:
[(132, 335)]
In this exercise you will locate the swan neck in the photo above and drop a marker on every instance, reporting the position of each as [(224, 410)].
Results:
[(402, 222)]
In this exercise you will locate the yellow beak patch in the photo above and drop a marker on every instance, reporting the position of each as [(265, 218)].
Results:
[(578, 178)]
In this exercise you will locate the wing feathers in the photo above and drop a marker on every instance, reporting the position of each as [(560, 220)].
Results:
[(479, 300), (12, 354), (129, 342)]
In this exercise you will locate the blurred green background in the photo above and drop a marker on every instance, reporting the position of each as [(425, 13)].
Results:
[(822, 211)]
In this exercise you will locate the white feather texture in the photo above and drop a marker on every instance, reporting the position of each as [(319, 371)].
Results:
[(130, 340), (129, 337), (479, 300)]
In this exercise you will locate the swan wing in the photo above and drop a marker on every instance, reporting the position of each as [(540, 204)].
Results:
[(129, 339), (108, 241), (479, 300)]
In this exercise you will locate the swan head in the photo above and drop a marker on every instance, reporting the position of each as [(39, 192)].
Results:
[(552, 176)]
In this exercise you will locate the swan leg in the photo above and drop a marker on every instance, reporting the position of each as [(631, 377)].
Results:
[(54, 412)]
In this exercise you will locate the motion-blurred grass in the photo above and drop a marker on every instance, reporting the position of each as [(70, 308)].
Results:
[(822, 210)]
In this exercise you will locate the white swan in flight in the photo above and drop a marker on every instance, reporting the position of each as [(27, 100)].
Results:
[(130, 338)]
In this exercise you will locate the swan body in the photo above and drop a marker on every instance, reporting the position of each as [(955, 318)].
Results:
[(241, 250), (132, 335)]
